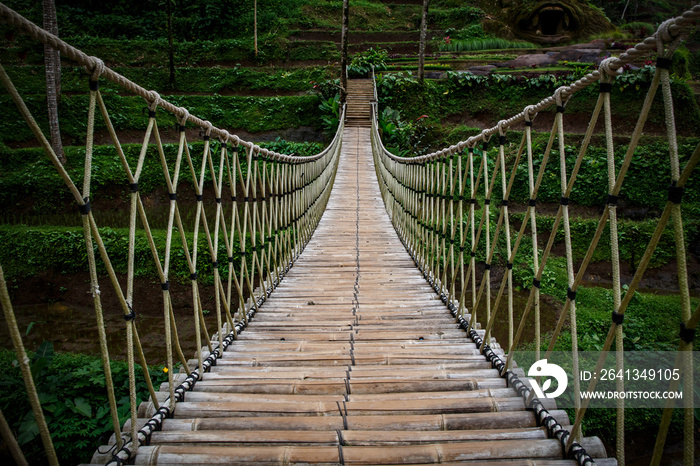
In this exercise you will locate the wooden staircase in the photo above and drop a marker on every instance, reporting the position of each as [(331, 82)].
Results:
[(360, 95), (353, 360)]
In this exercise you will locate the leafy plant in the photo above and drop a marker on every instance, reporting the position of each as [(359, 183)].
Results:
[(72, 393), (330, 114), (361, 63)]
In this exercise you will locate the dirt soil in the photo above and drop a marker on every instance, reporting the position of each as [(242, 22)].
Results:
[(60, 309)]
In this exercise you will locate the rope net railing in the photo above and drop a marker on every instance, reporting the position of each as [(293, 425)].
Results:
[(266, 207), (434, 201)]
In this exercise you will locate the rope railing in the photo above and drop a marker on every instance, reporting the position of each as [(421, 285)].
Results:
[(266, 207), (433, 201)]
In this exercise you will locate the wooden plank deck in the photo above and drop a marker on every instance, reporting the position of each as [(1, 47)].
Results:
[(353, 360)]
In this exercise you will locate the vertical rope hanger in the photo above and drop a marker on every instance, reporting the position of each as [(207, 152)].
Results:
[(23, 360), (506, 216), (666, 46), (563, 211)]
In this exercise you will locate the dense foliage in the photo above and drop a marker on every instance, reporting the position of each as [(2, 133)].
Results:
[(73, 396)]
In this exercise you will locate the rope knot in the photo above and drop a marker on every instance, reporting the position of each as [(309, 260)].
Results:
[(208, 127), (98, 67), (664, 32), (184, 115), (608, 70), (558, 96), (529, 113), (500, 125), (225, 136), (155, 100)]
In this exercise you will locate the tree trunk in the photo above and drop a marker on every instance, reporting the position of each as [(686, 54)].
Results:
[(255, 26), (423, 33), (52, 62), (171, 46), (344, 51)]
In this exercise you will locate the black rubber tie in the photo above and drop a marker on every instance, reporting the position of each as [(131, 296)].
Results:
[(664, 63), (134, 187), (618, 319), (564, 200), (675, 193), (85, 208), (612, 200), (571, 294), (94, 85), (131, 315), (687, 334), (605, 87)]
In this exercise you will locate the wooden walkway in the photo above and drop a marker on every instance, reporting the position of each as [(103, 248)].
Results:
[(353, 360)]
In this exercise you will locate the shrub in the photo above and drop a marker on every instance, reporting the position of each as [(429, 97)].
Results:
[(74, 400)]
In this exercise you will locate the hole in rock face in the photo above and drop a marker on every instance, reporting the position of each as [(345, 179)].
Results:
[(552, 21), (549, 23)]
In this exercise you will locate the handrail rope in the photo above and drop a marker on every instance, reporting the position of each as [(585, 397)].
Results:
[(542, 415), (317, 205), (615, 183), (302, 211), (97, 68)]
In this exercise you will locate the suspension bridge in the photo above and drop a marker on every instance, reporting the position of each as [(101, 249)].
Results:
[(354, 325)]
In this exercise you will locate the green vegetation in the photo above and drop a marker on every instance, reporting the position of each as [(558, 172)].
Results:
[(195, 80), (362, 63), (32, 250), (28, 174), (73, 396), (254, 114), (469, 45), (500, 96)]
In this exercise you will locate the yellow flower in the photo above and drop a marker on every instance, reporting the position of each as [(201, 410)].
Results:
[(165, 369)]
